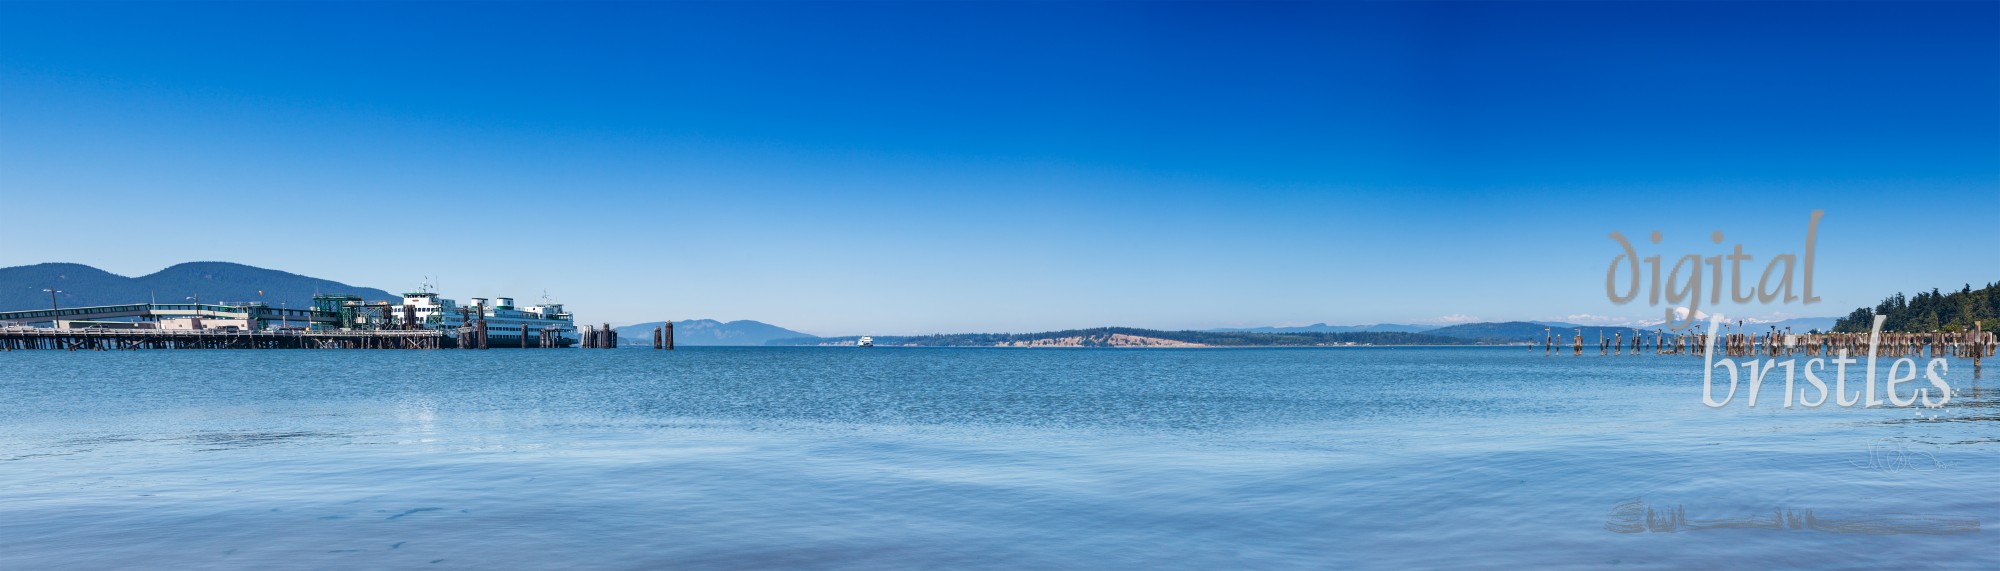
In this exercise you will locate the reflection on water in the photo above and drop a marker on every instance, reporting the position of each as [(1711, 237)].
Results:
[(965, 458)]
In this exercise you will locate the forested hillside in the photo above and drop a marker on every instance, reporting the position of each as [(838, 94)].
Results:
[(1930, 311)]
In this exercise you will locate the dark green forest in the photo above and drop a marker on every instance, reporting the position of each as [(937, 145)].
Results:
[(1930, 311)]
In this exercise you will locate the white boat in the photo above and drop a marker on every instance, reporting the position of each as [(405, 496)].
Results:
[(504, 321), (424, 309), (865, 341)]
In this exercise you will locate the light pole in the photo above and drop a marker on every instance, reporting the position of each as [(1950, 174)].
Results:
[(197, 310), (53, 309)]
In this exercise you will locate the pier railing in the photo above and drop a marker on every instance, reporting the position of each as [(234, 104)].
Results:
[(167, 310), (25, 338)]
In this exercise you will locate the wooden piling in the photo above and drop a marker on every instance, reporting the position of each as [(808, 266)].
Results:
[(1979, 347)]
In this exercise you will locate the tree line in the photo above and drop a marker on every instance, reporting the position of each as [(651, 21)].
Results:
[(1929, 311)]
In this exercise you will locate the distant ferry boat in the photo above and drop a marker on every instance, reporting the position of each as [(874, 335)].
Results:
[(865, 341)]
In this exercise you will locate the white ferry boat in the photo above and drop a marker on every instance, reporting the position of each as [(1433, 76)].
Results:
[(865, 341), (504, 321), (424, 309)]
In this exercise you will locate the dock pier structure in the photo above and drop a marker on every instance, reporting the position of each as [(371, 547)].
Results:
[(1974, 343), (38, 338)]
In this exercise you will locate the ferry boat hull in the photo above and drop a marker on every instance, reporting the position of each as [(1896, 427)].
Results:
[(512, 340)]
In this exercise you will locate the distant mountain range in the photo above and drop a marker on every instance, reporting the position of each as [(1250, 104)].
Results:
[(1515, 330), (1324, 328), (1527, 330), (1500, 333), (709, 332), (1133, 337), (21, 286), (1804, 324)]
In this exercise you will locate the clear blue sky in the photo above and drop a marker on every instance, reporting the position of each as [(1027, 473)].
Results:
[(901, 168)]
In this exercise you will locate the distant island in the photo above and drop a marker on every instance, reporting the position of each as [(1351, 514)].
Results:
[(1134, 337), (1466, 334), (1317, 335), (1324, 328)]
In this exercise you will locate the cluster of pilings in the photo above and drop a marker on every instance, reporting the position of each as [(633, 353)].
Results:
[(599, 337), (12, 339), (663, 337), (1972, 344), (473, 335)]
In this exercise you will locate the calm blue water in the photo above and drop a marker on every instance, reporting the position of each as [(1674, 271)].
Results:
[(893, 458)]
